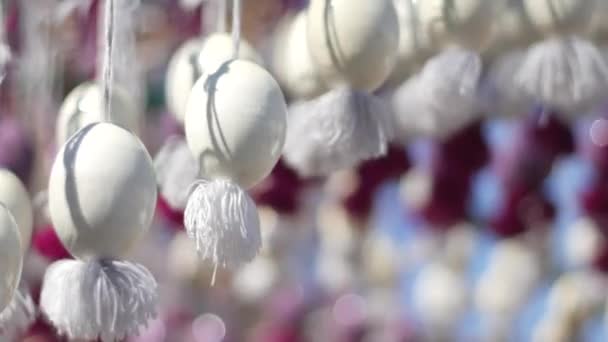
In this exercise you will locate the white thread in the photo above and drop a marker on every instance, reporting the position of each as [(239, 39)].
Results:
[(236, 27), (108, 60)]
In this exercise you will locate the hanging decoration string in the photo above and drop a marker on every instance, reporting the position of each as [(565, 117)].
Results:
[(222, 10), (236, 27), (213, 16), (108, 60)]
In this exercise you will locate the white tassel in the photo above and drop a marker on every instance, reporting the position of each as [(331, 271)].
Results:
[(176, 169), (445, 91), (20, 314), (98, 299), (335, 131), (223, 221), (449, 82), (564, 73)]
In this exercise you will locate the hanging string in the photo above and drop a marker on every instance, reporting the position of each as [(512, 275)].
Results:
[(107, 62), (222, 10), (236, 27)]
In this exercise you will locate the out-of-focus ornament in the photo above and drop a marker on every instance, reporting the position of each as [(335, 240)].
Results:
[(512, 272), (291, 60), (354, 48), (414, 43), (513, 29), (84, 105), (195, 58), (176, 169), (467, 24), (11, 257), (15, 197), (102, 195), (582, 242), (565, 71), (442, 98), (440, 298)]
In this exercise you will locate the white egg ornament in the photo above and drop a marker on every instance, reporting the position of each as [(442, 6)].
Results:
[(84, 105), (291, 60), (565, 72), (102, 196), (16, 198), (414, 43), (11, 257), (20, 313), (466, 23), (192, 59), (235, 127), (354, 47)]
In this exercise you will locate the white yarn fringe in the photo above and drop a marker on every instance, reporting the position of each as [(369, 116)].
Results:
[(20, 314), (99, 299), (335, 131), (223, 221), (176, 169), (568, 74), (443, 97)]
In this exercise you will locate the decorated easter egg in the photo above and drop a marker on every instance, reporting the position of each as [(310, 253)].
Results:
[(11, 256), (192, 59), (84, 105), (15, 197), (182, 72), (291, 60), (560, 16), (465, 23), (102, 191), (236, 121), (353, 42)]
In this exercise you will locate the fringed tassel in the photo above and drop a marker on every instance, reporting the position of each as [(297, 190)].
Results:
[(175, 169), (445, 92), (223, 221), (568, 74), (335, 131), (20, 314), (98, 299)]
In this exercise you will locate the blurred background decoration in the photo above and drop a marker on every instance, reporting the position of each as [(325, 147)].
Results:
[(444, 175)]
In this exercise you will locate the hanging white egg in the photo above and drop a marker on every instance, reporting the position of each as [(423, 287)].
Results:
[(513, 29), (235, 123), (84, 105), (102, 191), (11, 257), (353, 42), (559, 17), (467, 23), (291, 59), (192, 59), (182, 72), (414, 44), (15, 197)]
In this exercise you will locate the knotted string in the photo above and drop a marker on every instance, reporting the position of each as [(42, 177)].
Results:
[(236, 27)]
